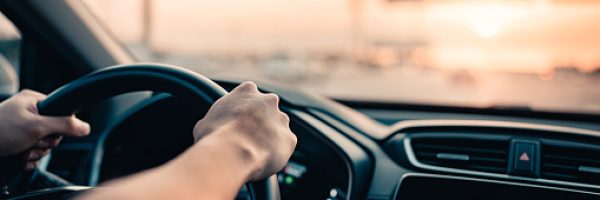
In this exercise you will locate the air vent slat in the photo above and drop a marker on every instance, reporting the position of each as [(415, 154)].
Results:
[(460, 149), (571, 159), (564, 162), (463, 153), (559, 166), (433, 155), (488, 159)]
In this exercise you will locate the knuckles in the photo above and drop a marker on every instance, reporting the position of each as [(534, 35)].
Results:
[(27, 92), (294, 140), (247, 87), (31, 93), (271, 98)]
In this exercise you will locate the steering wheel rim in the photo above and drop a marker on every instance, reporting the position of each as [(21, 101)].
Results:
[(68, 99), (154, 77)]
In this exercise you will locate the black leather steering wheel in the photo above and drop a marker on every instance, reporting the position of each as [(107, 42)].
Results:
[(122, 79)]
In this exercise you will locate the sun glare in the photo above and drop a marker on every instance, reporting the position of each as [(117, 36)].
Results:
[(488, 19), (486, 30)]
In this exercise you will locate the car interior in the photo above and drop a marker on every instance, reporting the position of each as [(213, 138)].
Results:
[(142, 112)]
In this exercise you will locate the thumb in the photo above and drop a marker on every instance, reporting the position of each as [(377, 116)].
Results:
[(68, 125)]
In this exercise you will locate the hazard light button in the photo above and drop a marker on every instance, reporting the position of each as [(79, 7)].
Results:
[(524, 157)]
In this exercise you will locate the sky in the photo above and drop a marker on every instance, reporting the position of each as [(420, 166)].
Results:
[(523, 36), (450, 52)]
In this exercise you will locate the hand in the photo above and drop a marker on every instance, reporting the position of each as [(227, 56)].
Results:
[(23, 129), (243, 137), (254, 118)]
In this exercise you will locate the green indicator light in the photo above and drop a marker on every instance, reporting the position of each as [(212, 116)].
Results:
[(289, 180)]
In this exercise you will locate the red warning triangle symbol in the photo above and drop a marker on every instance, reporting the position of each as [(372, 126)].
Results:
[(524, 157)]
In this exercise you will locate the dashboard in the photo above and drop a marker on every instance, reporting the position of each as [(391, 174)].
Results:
[(344, 154), (468, 159)]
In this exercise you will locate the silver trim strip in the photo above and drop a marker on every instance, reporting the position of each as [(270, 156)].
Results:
[(586, 169), (452, 156), (398, 127), (413, 160)]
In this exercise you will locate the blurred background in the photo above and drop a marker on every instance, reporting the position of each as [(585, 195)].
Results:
[(535, 54)]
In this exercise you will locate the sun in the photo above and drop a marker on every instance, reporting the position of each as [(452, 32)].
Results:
[(486, 30), (487, 20)]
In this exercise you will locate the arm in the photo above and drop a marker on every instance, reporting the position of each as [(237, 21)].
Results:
[(214, 168), (244, 137)]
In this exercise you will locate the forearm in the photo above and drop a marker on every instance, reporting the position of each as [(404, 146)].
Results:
[(215, 169)]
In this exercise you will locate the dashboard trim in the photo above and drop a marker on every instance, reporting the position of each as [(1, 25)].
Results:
[(343, 144), (408, 124), (412, 174), (413, 161)]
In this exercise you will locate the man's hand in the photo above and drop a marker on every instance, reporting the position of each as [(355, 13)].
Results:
[(243, 137), (253, 117), (23, 129)]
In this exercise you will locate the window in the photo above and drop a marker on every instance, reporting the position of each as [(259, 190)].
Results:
[(10, 45), (534, 54)]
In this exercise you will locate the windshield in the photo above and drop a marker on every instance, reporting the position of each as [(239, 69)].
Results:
[(538, 54)]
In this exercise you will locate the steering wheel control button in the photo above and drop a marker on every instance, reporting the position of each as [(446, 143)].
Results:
[(524, 157)]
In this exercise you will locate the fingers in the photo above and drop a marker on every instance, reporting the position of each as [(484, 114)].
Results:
[(271, 99), (246, 87), (47, 125), (33, 94), (32, 157), (50, 141), (250, 87), (285, 118), (36, 154), (294, 142), (39, 150), (70, 126)]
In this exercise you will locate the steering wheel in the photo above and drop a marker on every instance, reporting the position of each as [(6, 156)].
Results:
[(122, 79)]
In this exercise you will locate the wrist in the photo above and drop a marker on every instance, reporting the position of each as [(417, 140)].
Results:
[(230, 142), (223, 159)]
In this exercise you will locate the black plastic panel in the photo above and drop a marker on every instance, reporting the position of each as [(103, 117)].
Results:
[(424, 187)]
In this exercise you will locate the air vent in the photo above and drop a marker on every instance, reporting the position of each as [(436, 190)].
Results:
[(485, 155), (575, 163)]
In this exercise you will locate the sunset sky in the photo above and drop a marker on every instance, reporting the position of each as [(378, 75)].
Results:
[(513, 36)]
